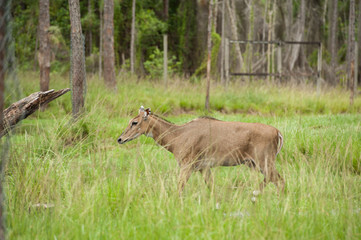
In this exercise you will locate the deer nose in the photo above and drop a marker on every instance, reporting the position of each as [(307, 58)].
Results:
[(119, 140)]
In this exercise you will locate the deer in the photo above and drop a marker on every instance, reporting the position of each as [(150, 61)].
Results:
[(206, 142)]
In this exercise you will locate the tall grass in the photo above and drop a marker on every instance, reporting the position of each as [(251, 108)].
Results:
[(101, 190)]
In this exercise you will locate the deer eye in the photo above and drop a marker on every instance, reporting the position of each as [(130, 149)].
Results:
[(134, 123)]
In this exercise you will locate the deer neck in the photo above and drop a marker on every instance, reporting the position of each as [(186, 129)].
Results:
[(163, 132)]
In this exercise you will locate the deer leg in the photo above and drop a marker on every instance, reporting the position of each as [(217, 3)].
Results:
[(272, 175), (278, 181), (264, 168), (208, 177), (184, 174)]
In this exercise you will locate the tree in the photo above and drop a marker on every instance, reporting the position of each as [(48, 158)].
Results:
[(165, 43), (232, 15), (132, 39), (333, 39), (90, 33), (294, 51), (209, 49), (359, 45), (289, 19), (2, 90), (77, 59), (100, 43), (351, 50), (44, 44), (108, 41)]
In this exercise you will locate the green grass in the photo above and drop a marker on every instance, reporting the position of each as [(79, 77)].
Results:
[(101, 190)]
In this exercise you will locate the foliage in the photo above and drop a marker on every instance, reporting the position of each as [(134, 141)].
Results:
[(150, 31), (182, 27), (216, 42), (89, 22), (154, 64), (185, 22), (24, 32)]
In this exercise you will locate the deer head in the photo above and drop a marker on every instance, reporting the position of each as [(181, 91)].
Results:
[(136, 127)]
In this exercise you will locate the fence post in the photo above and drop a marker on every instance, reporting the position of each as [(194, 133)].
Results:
[(279, 61), (356, 69), (319, 69), (165, 58), (226, 63)]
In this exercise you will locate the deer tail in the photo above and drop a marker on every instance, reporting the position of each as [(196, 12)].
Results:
[(280, 139)]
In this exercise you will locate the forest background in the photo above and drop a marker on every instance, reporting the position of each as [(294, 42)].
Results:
[(185, 23)]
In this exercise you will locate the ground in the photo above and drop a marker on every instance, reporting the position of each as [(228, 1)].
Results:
[(100, 189)]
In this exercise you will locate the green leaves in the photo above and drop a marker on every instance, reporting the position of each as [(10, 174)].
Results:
[(154, 64)]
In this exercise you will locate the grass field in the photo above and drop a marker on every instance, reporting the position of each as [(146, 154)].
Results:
[(101, 190)]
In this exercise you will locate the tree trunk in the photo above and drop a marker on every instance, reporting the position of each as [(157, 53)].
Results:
[(90, 34), (165, 44), (295, 50), (270, 36), (333, 40), (289, 19), (78, 79), (108, 41), (100, 44), (132, 40), (358, 78), (44, 45), (165, 9), (2, 90), (350, 42), (209, 47), (351, 51), (250, 35), (232, 16), (36, 62), (222, 44), (26, 106), (215, 15)]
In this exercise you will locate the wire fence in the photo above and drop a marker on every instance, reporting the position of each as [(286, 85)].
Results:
[(267, 59), (10, 89)]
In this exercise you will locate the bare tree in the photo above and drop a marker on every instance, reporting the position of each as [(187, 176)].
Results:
[(44, 44), (77, 59), (232, 15), (359, 45), (100, 43), (209, 47), (90, 34), (108, 41), (132, 39), (333, 39), (222, 44), (294, 51), (165, 43), (289, 19), (215, 15), (351, 50), (2, 90)]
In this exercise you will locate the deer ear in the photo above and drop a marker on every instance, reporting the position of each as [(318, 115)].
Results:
[(147, 112), (141, 109)]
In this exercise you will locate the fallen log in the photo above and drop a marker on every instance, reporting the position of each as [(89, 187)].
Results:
[(26, 106)]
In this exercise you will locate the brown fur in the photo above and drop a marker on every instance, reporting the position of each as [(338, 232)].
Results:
[(204, 143)]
